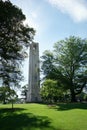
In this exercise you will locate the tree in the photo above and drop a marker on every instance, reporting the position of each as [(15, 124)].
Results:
[(7, 95), (15, 37), (50, 91), (47, 64), (12, 97), (24, 92), (70, 65), (4, 94)]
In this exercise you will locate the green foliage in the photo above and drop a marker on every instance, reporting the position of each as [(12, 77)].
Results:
[(50, 92), (7, 95), (68, 64), (24, 92), (15, 37), (82, 97), (47, 64)]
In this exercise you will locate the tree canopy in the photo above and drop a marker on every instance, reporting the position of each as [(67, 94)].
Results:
[(15, 37), (50, 91), (68, 64)]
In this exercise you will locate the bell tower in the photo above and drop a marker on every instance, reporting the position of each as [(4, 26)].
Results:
[(33, 94)]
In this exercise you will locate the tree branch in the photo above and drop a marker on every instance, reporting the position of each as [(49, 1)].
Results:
[(79, 91)]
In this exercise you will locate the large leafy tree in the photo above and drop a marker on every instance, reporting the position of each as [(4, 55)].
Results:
[(70, 65), (50, 91), (15, 37)]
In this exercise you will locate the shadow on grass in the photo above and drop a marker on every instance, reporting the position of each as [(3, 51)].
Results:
[(9, 110), (69, 106), (11, 120)]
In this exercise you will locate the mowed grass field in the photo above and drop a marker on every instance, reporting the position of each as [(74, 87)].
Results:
[(43, 117)]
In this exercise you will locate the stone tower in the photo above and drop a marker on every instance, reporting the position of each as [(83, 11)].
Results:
[(34, 76)]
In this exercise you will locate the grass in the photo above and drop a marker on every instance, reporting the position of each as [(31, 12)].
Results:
[(43, 117)]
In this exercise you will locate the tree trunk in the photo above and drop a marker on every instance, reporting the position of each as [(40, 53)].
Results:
[(73, 96), (4, 102)]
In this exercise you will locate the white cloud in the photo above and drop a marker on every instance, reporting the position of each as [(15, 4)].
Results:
[(31, 23), (76, 9), (34, 14)]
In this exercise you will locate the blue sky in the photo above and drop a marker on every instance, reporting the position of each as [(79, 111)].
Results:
[(53, 20)]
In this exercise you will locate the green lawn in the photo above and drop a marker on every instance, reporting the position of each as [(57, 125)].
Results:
[(43, 117)]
